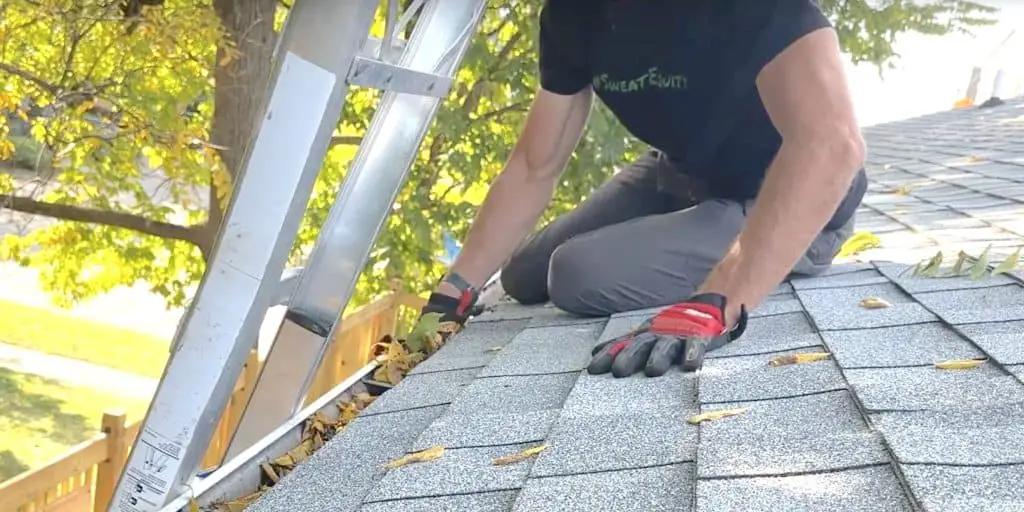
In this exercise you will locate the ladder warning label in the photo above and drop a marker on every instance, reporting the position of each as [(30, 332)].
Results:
[(147, 478)]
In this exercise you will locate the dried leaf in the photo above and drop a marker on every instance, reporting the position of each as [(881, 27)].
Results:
[(521, 456), (493, 350), (801, 358), (981, 265), (974, 158), (432, 453), (715, 415), (269, 470), (931, 267), (859, 242), (874, 303), (285, 461), (959, 364), (193, 505), (902, 191), (958, 269), (1009, 264), (239, 505)]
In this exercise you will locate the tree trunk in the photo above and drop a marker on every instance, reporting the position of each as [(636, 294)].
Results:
[(240, 87)]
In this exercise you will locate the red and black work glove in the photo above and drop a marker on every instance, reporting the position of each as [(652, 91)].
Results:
[(680, 334), (455, 311)]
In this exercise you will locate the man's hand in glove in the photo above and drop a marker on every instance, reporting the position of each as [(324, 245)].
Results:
[(454, 311), (679, 334)]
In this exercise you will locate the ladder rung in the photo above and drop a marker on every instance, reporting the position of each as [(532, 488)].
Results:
[(375, 74)]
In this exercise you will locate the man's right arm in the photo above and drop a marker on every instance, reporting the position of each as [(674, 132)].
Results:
[(522, 191)]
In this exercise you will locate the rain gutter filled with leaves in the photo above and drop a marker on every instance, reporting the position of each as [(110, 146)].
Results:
[(240, 482)]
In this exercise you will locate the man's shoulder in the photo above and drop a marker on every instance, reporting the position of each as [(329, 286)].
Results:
[(567, 12)]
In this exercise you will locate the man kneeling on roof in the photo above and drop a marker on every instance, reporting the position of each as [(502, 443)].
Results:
[(755, 173)]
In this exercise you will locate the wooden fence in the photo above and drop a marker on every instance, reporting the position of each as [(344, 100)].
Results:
[(83, 480)]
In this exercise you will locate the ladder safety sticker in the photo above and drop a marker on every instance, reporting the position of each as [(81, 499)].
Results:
[(147, 478)]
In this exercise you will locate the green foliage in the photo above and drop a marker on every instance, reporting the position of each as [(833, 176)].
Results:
[(428, 324), (973, 267), (867, 30), (74, 62), (30, 154)]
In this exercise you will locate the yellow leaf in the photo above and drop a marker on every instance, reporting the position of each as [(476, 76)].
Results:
[(859, 242), (1009, 264), (432, 453), (284, 461), (981, 265), (715, 415), (959, 364), (269, 470), (6, 182), (193, 505), (874, 303), (929, 268), (902, 191), (801, 358), (521, 456)]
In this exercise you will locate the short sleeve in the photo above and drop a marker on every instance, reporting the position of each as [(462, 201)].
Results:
[(561, 56), (784, 22)]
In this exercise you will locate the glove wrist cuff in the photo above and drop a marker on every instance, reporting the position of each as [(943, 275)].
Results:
[(462, 304), (719, 302)]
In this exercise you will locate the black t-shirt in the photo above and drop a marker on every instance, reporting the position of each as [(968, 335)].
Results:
[(680, 76)]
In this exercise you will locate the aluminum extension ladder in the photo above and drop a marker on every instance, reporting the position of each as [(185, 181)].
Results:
[(324, 48)]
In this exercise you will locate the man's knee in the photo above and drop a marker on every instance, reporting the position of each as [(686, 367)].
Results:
[(524, 280), (576, 283)]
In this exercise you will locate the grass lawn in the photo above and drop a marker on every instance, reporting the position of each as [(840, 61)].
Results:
[(40, 418), (60, 334)]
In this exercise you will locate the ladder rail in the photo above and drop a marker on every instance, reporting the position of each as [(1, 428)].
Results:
[(314, 55), (439, 41)]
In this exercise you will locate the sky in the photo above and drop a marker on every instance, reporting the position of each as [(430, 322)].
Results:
[(933, 71)]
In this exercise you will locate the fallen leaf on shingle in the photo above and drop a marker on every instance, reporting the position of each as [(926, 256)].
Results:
[(959, 364), (802, 358), (902, 191), (975, 158), (874, 303), (1009, 264), (715, 415), (521, 456), (193, 505), (859, 242), (980, 266), (432, 453), (493, 350)]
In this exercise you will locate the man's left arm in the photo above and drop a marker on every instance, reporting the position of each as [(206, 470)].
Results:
[(805, 93)]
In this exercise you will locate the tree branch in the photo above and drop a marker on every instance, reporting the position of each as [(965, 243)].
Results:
[(93, 216), (519, 105), (43, 84), (346, 140)]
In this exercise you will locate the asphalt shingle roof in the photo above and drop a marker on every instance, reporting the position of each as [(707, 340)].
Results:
[(875, 428)]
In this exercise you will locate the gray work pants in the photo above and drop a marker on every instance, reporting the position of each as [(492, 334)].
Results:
[(632, 245)]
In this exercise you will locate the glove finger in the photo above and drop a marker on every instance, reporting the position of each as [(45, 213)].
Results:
[(633, 358), (603, 345), (665, 353), (693, 355), (604, 355)]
